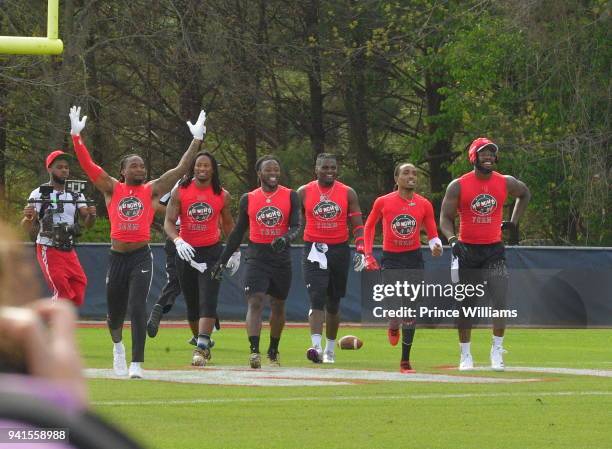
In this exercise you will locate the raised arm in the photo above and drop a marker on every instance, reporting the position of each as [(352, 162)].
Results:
[(165, 182), (103, 182)]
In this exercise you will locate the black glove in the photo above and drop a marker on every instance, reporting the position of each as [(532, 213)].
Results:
[(459, 249), (216, 273), (508, 226), (278, 244)]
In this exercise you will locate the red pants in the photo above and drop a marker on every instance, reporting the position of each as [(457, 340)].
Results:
[(63, 273)]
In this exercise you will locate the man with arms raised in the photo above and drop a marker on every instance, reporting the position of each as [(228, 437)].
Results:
[(129, 201)]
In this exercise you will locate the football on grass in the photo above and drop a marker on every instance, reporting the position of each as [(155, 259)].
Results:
[(350, 342)]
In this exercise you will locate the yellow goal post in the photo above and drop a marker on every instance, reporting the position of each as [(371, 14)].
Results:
[(50, 45)]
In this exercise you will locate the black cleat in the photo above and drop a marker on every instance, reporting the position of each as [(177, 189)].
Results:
[(154, 319)]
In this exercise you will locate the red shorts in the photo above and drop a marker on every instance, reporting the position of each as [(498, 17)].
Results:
[(63, 273)]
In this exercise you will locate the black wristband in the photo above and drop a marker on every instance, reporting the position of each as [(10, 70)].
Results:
[(452, 239)]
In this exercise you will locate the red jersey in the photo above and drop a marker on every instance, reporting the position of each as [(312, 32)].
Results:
[(326, 213), (481, 203), (402, 221), (199, 214), (269, 214), (130, 212)]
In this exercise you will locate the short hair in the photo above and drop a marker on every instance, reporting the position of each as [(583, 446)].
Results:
[(265, 158), (322, 156), (399, 165)]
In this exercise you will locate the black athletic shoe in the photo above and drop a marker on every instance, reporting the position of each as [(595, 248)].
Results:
[(154, 319), (274, 358)]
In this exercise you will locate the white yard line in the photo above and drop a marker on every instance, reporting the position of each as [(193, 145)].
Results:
[(279, 377), (353, 398)]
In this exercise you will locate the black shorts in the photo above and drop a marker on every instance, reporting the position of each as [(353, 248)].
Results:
[(410, 260), (200, 291), (266, 271), (484, 265), (330, 283), (401, 267)]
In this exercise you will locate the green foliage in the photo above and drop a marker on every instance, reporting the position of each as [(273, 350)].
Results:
[(375, 82)]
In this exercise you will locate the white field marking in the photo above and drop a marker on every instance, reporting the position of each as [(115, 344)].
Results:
[(550, 370), (355, 398), (281, 377)]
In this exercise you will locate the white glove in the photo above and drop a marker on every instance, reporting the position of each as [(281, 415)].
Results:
[(435, 242), (201, 267), (184, 249), (359, 262), (233, 263), (198, 130), (77, 124)]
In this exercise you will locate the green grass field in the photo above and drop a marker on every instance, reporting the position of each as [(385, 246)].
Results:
[(559, 411)]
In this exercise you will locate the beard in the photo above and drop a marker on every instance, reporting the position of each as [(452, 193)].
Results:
[(482, 169), (58, 180)]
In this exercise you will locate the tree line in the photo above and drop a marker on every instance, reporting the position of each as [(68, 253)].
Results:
[(375, 82)]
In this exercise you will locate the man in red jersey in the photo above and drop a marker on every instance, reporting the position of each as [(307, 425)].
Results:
[(129, 201), (57, 257), (272, 214), (202, 205), (478, 197), (327, 207), (403, 213)]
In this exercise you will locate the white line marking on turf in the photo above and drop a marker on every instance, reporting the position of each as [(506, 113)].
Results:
[(355, 398), (551, 370), (295, 376)]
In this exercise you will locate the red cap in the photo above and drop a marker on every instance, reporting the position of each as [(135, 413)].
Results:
[(54, 155), (478, 145)]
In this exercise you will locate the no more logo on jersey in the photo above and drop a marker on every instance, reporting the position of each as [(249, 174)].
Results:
[(484, 204), (200, 211), (326, 210), (403, 226), (130, 208), (269, 216)]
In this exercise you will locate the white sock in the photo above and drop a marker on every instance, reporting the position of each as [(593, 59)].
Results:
[(465, 348), (134, 364), (330, 345), (498, 341), (119, 347), (316, 340)]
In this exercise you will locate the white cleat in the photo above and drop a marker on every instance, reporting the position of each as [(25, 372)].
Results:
[(119, 363), (136, 371), (497, 358), (466, 363), (329, 357)]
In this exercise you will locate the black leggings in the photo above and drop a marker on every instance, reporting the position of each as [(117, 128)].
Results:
[(199, 290), (128, 282)]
